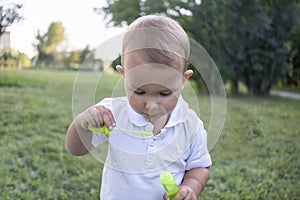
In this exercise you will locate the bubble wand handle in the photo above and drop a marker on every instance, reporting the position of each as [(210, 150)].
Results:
[(168, 182), (96, 130), (106, 132)]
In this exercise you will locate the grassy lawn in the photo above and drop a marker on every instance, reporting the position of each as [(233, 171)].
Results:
[(256, 157)]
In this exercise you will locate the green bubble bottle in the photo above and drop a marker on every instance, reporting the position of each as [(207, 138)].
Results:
[(167, 180)]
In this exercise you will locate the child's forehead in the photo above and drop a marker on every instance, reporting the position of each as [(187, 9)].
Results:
[(152, 57), (153, 73), (151, 87)]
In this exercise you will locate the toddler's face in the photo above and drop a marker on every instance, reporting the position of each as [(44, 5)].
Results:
[(152, 89)]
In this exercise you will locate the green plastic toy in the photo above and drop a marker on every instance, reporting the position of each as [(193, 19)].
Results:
[(106, 132), (167, 180)]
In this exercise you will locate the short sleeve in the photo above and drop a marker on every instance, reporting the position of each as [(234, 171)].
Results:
[(199, 154)]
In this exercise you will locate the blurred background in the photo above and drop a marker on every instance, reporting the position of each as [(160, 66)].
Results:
[(254, 43)]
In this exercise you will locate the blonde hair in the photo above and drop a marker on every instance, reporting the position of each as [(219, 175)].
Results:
[(159, 39)]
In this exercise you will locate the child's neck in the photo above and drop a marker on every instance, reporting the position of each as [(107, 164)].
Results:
[(160, 123)]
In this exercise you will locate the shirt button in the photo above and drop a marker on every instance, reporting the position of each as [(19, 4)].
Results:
[(150, 160), (149, 127)]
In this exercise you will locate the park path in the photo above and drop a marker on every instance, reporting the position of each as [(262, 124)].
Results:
[(285, 94)]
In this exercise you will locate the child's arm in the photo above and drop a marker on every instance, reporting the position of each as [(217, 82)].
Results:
[(78, 138), (193, 183)]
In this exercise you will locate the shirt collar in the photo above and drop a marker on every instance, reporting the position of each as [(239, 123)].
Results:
[(136, 118), (177, 115)]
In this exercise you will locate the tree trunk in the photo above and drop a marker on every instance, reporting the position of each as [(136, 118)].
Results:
[(235, 80), (234, 86)]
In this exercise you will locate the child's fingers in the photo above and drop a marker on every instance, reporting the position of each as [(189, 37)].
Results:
[(97, 116), (86, 118), (185, 193), (105, 117), (182, 194), (165, 197)]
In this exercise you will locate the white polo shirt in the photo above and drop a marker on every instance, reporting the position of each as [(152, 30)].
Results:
[(134, 162)]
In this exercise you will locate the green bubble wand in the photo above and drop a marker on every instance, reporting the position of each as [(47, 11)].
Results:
[(106, 132), (168, 182)]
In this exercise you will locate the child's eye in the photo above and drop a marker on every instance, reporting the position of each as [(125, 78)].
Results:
[(139, 92), (166, 93)]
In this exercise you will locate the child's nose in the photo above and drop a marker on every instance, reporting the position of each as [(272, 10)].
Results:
[(151, 103)]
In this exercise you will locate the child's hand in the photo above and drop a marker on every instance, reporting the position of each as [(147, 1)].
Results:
[(96, 116), (185, 193)]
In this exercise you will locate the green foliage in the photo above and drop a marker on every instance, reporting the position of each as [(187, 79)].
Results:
[(79, 57), (267, 58), (47, 45), (292, 77), (74, 59), (256, 157), (116, 62), (55, 36), (10, 58), (9, 14), (130, 11)]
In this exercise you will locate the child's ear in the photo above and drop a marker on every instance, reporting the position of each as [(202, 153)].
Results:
[(120, 69), (187, 74)]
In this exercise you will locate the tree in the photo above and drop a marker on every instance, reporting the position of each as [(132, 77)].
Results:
[(10, 58), (261, 30), (80, 57), (85, 53), (292, 77), (47, 45), (247, 39), (117, 18), (9, 14), (74, 60)]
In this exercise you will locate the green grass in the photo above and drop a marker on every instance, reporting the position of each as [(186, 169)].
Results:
[(257, 156)]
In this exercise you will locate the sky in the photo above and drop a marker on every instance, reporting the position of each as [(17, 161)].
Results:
[(82, 25)]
